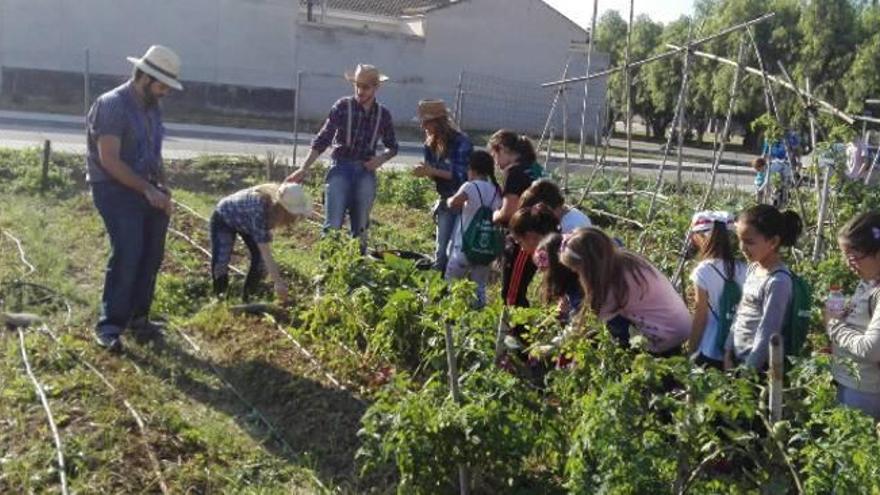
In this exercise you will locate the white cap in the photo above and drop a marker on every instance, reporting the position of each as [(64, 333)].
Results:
[(704, 221)]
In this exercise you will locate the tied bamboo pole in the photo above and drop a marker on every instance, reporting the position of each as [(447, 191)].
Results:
[(663, 55), (587, 83), (463, 475), (627, 82), (716, 162)]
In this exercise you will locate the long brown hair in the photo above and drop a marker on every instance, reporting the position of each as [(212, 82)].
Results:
[(538, 219), (278, 214), (517, 143), (438, 141), (862, 233), (719, 246), (558, 279), (601, 267)]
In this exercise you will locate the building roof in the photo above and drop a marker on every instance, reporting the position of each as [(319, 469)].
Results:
[(391, 8)]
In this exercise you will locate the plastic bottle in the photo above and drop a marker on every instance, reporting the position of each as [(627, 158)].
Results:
[(836, 302)]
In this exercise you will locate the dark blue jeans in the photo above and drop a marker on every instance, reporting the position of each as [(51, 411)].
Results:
[(137, 246), (222, 242), (349, 188)]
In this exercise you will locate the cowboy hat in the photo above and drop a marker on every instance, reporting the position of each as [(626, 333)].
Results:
[(161, 63), (430, 109), (366, 74), (294, 198)]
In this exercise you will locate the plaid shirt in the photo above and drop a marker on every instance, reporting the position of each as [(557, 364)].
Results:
[(363, 129), (247, 212), (456, 161)]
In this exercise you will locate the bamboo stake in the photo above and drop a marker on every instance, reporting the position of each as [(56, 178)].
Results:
[(787, 84), (553, 105), (463, 475), (683, 110), (587, 83), (725, 134), (663, 55), (627, 81), (775, 378), (676, 120)]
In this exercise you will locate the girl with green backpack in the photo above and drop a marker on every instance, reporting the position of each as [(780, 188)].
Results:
[(772, 294), (476, 241), (717, 286)]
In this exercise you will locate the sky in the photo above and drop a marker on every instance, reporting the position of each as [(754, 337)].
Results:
[(581, 11)]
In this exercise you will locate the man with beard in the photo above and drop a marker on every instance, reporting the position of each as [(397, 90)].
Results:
[(124, 135), (353, 127)]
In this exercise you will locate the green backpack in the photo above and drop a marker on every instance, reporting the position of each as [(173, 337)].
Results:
[(797, 320), (731, 294), (482, 241)]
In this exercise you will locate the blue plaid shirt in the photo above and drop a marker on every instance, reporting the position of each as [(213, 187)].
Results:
[(248, 212), (140, 132), (458, 153), (363, 127)]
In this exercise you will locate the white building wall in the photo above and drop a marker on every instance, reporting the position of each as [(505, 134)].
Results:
[(240, 42), (263, 43)]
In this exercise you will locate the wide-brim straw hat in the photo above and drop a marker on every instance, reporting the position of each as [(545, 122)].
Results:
[(430, 109), (294, 198), (366, 74), (161, 63)]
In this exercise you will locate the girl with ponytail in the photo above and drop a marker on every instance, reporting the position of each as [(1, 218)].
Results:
[(767, 292)]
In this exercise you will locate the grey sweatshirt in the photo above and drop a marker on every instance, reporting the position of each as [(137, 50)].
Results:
[(760, 314)]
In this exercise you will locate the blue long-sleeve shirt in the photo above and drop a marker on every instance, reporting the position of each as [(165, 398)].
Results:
[(458, 152)]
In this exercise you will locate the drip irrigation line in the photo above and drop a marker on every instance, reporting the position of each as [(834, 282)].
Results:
[(138, 419), (200, 248), (313, 360), (317, 364), (219, 374), (59, 448), (21, 255)]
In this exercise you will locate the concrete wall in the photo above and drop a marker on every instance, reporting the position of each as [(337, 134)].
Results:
[(505, 47), (238, 42)]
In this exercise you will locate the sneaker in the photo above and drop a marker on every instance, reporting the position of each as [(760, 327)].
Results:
[(145, 331), (111, 342)]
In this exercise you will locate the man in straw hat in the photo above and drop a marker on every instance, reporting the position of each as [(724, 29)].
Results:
[(447, 151), (354, 126), (124, 135)]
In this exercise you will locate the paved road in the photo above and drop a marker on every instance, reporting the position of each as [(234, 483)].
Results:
[(23, 130)]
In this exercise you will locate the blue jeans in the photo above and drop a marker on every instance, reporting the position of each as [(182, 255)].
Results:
[(446, 220), (222, 242), (137, 246), (351, 188)]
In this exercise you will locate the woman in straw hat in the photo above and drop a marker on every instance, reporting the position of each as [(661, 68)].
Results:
[(353, 127), (447, 151), (252, 214), (124, 160)]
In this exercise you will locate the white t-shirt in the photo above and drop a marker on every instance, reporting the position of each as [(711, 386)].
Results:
[(707, 278), (487, 192), (572, 220)]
